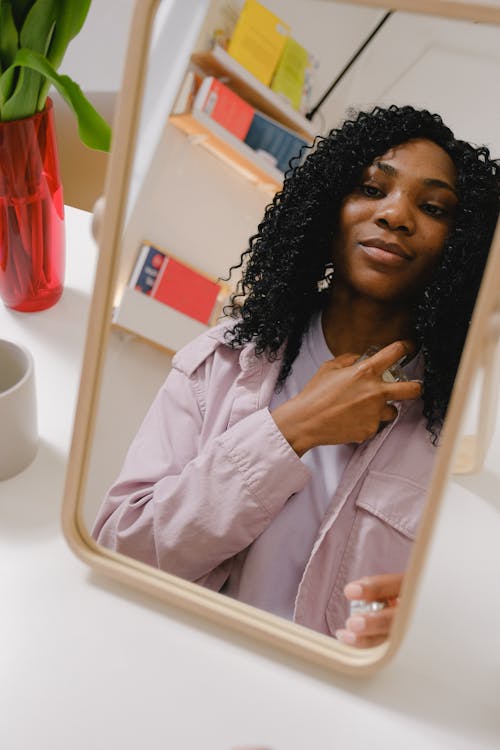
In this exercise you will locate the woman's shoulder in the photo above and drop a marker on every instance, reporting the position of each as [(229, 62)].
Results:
[(206, 345)]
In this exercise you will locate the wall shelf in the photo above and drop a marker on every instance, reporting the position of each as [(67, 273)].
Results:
[(210, 135), (221, 65), (145, 317)]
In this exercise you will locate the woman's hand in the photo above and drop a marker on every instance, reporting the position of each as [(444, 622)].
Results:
[(345, 401), (366, 629)]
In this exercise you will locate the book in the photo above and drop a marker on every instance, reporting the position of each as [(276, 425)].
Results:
[(186, 290), (169, 281), (267, 135), (146, 268), (258, 40), (289, 77), (224, 106)]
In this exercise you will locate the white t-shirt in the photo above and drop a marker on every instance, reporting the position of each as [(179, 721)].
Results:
[(291, 536)]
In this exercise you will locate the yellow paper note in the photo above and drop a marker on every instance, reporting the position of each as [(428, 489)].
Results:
[(289, 77), (258, 40)]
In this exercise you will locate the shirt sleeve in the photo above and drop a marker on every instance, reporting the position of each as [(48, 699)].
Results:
[(186, 504)]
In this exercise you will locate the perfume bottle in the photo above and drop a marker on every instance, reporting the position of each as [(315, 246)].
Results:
[(394, 373)]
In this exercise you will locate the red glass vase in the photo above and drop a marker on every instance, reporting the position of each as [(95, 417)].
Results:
[(31, 213)]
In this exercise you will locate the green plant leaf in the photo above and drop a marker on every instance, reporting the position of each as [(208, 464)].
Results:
[(22, 101), (8, 81), (36, 34), (9, 38), (38, 27), (20, 9), (71, 15), (92, 128)]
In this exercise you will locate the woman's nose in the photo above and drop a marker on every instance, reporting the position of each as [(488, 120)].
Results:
[(396, 214)]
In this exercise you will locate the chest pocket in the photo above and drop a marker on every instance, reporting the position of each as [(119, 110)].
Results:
[(386, 517)]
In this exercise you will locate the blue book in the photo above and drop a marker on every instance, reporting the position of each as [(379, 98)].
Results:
[(149, 262), (268, 135)]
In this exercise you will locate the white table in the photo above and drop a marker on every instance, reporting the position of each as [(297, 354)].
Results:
[(89, 664)]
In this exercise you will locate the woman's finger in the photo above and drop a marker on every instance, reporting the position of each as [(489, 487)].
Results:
[(388, 356), (359, 641), (404, 391), (382, 587), (344, 360), (389, 413), (372, 623)]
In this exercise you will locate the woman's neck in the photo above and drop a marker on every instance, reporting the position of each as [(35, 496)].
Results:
[(352, 323)]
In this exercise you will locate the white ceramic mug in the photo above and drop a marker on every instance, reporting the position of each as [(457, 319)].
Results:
[(18, 415)]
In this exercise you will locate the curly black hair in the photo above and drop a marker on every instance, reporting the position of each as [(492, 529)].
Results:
[(278, 293)]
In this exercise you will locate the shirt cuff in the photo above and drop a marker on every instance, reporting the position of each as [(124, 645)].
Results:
[(269, 465)]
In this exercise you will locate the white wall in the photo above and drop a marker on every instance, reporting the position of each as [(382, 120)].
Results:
[(449, 67), (95, 57)]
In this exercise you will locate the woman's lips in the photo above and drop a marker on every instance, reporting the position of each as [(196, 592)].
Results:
[(387, 254)]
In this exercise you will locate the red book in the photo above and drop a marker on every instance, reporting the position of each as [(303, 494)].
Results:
[(186, 290), (224, 106)]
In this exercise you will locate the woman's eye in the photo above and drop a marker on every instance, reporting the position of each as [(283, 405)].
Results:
[(433, 210), (371, 191)]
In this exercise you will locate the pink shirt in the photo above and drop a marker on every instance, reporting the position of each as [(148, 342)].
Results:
[(289, 539), (209, 471)]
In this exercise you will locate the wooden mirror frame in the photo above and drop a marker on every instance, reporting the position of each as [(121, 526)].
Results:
[(478, 351)]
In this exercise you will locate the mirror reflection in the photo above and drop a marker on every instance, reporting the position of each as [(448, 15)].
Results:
[(285, 459)]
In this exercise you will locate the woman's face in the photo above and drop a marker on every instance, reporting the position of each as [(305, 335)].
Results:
[(393, 225)]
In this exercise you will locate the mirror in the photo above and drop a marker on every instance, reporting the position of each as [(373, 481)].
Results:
[(172, 188)]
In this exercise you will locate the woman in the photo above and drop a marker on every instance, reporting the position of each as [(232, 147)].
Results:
[(278, 465)]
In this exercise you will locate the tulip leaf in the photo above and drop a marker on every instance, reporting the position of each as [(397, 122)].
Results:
[(38, 27), (71, 15), (9, 38), (22, 98), (94, 131), (20, 9), (36, 34), (8, 81)]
